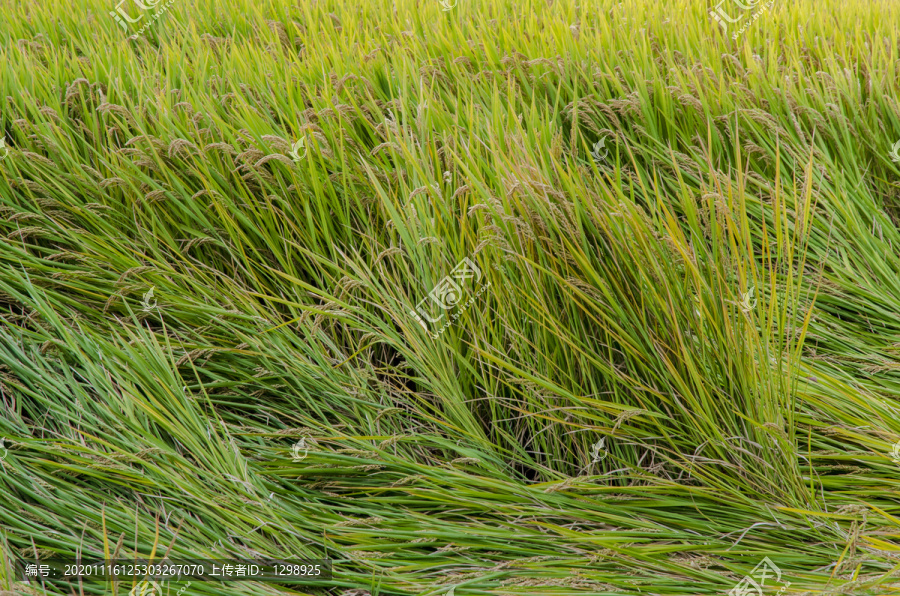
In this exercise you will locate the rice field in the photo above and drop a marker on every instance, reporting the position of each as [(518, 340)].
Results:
[(469, 297)]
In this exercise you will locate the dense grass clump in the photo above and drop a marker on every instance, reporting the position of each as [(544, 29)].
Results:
[(671, 350)]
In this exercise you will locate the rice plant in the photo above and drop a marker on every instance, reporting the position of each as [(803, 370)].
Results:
[(467, 297)]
